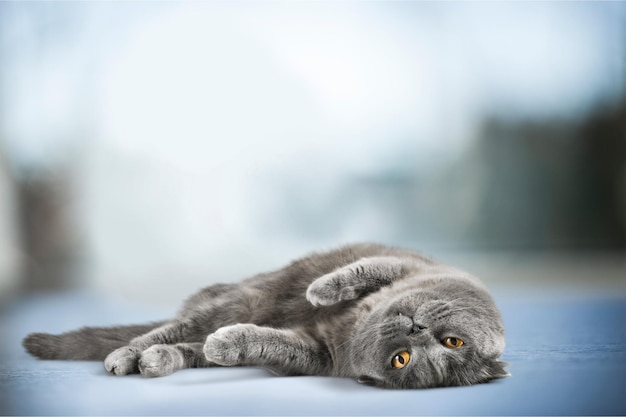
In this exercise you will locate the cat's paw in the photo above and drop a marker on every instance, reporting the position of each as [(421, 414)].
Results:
[(331, 289), (228, 345), (123, 361), (160, 360)]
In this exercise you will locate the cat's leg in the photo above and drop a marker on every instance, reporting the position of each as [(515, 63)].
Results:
[(201, 315), (283, 351), (161, 360), (125, 360), (356, 279)]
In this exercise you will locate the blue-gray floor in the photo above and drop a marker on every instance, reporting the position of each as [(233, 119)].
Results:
[(567, 356)]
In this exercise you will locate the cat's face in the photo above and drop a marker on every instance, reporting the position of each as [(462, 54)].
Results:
[(445, 335)]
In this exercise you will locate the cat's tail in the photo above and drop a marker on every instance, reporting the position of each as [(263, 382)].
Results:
[(87, 343)]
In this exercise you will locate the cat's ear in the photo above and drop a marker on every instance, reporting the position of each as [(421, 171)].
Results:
[(368, 380), (495, 370)]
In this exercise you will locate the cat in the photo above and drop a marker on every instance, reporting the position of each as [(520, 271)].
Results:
[(386, 316)]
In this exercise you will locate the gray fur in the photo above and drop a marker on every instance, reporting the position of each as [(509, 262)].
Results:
[(346, 312)]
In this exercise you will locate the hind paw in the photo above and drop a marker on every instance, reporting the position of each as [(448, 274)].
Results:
[(160, 360), (123, 361)]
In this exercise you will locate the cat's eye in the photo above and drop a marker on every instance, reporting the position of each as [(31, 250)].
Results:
[(452, 342), (401, 359)]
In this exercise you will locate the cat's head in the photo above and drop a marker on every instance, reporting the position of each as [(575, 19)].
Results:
[(449, 333)]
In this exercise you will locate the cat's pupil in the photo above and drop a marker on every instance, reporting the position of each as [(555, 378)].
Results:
[(400, 359), (453, 341)]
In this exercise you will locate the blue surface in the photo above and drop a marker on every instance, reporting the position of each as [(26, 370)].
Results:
[(567, 356)]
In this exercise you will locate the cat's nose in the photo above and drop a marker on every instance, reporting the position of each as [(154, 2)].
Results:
[(417, 328)]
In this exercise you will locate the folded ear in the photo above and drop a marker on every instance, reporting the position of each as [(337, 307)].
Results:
[(495, 369), (368, 380)]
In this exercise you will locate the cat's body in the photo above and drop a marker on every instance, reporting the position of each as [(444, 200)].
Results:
[(386, 316)]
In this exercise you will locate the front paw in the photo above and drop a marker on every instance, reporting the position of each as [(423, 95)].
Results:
[(330, 289), (123, 361), (228, 345)]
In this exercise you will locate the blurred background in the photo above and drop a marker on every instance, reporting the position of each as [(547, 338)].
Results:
[(151, 148)]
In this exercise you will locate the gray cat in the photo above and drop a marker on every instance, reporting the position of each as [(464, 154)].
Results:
[(388, 317)]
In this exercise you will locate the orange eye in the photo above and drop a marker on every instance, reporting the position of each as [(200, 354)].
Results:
[(452, 342), (401, 359)]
